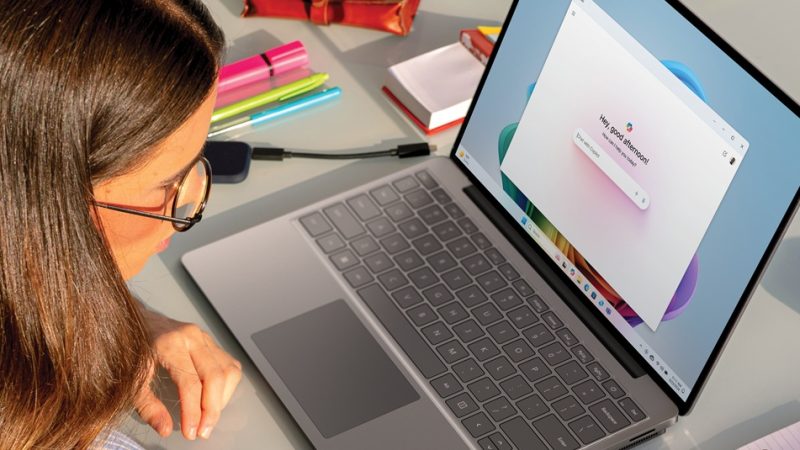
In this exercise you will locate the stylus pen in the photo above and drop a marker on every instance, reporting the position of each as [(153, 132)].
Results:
[(278, 94), (290, 107)]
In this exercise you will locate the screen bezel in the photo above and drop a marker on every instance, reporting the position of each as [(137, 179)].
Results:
[(684, 407)]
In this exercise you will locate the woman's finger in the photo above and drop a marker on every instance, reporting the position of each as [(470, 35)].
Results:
[(213, 378), (190, 389), (153, 411)]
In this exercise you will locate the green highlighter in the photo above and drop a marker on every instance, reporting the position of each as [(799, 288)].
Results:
[(278, 94)]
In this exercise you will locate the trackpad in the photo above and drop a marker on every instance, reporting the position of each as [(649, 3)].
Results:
[(334, 368)]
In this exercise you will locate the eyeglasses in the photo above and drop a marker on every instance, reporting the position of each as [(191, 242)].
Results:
[(189, 201)]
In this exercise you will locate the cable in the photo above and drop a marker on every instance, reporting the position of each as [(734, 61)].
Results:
[(402, 151)]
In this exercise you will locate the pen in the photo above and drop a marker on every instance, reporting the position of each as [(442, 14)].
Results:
[(261, 67), (295, 105), (275, 95)]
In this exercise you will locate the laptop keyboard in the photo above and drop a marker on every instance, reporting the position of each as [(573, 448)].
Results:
[(491, 348)]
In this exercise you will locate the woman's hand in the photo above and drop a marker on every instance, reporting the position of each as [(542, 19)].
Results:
[(205, 375)]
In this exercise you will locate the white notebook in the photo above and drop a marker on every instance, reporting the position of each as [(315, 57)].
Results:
[(436, 87), (784, 439)]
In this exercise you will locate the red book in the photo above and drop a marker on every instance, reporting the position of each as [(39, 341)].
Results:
[(417, 122), (477, 43)]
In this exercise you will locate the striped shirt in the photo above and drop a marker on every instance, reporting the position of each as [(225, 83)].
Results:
[(116, 440)]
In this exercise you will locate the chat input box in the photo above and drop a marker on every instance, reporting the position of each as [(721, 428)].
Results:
[(613, 171)]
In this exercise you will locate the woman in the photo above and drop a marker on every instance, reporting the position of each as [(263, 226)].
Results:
[(104, 106)]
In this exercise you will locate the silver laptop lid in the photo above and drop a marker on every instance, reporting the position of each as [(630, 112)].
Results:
[(652, 164)]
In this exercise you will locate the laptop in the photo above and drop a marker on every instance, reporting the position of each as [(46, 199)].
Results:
[(566, 279)]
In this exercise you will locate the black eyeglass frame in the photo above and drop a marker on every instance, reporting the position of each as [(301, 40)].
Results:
[(179, 224)]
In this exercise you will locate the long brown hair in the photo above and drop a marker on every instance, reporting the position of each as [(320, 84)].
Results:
[(87, 91)]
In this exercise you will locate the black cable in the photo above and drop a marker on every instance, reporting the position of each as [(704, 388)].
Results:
[(402, 151)]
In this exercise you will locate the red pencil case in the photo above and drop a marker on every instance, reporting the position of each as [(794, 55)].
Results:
[(394, 16)]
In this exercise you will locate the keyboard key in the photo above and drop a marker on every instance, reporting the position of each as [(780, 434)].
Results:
[(554, 353), (401, 330), (426, 179), (483, 389), (441, 196), (471, 296), (446, 231), (453, 211), (522, 317), (550, 388), (487, 314), (491, 281), (315, 224), (394, 243), (467, 225), (567, 337), (532, 407), (516, 387), (365, 245), (432, 215), (461, 247), (568, 408), (538, 335), (446, 385), (405, 184), (453, 313), (419, 198), (506, 299), (380, 227), (522, 435), (467, 370), (523, 287), (358, 277), (500, 368), (423, 277), (478, 425), (462, 404), (422, 315), (437, 294), (552, 320), (609, 416), (588, 392), (436, 333), (508, 272), (597, 371), (468, 331), (537, 303), (330, 243), (534, 369), (476, 264), (571, 372), (384, 195), (441, 261), (452, 351), (364, 207), (344, 221), (587, 430), (495, 256), (502, 332), (399, 212), (392, 279), (481, 241), (613, 389), (408, 260), (518, 350), (412, 228), (555, 433), (500, 409), (487, 444), (483, 349), (378, 262), (632, 409), (500, 441), (427, 244), (344, 259), (582, 354), (407, 297), (456, 278)]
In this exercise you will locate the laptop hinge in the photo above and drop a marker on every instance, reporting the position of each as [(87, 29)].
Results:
[(563, 289)]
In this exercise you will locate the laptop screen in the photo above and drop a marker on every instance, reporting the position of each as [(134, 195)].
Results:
[(648, 164)]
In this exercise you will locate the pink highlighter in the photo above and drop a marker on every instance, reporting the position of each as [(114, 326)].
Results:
[(263, 66)]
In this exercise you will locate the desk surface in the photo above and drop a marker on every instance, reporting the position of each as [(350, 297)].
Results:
[(753, 389)]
